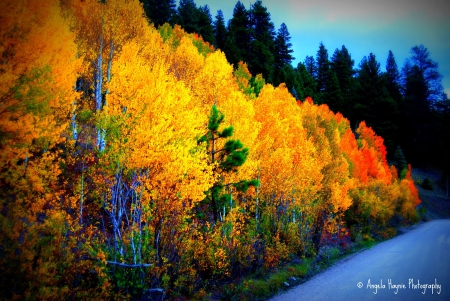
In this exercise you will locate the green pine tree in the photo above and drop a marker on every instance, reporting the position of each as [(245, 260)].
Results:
[(342, 65), (311, 67), (332, 94), (283, 47), (159, 11), (400, 163), (262, 50), (237, 44), (226, 160), (308, 82), (220, 31), (392, 78), (187, 16), (205, 25), (323, 64), (374, 104)]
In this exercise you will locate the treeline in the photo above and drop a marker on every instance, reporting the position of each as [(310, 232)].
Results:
[(137, 159), (406, 106)]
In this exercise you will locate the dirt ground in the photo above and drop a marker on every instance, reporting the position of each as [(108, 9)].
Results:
[(435, 201)]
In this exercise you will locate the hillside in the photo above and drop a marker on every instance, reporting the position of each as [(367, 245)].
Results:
[(137, 159), (435, 201)]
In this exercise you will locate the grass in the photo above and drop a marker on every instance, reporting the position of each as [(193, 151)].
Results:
[(263, 286)]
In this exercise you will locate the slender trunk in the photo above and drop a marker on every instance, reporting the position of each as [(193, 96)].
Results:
[(82, 193), (74, 122), (98, 78), (257, 195), (108, 71), (213, 197), (317, 235), (231, 198), (78, 85), (157, 245)]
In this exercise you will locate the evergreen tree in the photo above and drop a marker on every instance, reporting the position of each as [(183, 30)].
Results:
[(332, 94), (220, 31), (232, 52), (373, 103), (195, 19), (311, 67), (227, 160), (283, 47), (392, 76), (429, 70), (342, 66), (416, 114), (262, 57), (400, 162), (323, 64), (205, 25), (159, 11), (309, 84), (187, 16), (262, 27), (261, 60), (237, 45), (291, 77), (422, 132)]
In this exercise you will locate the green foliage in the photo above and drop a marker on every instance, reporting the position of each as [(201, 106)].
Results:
[(238, 40), (332, 94), (229, 158), (262, 60), (30, 91), (159, 11), (283, 47), (167, 34), (309, 84), (342, 66), (205, 26), (373, 103), (323, 64), (187, 16), (220, 31), (400, 163), (257, 82)]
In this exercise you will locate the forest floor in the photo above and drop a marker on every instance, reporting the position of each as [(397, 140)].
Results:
[(435, 201)]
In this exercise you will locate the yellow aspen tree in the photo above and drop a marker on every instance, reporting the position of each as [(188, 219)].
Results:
[(102, 29), (154, 124), (290, 174), (38, 73)]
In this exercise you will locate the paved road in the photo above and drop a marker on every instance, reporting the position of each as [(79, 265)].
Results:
[(412, 266)]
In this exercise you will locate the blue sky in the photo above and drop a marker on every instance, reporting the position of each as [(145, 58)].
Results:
[(363, 26)]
